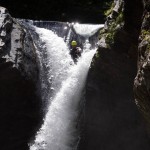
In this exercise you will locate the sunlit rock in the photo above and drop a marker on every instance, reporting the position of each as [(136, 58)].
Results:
[(19, 103)]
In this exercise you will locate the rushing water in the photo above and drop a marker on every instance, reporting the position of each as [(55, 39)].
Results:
[(62, 83)]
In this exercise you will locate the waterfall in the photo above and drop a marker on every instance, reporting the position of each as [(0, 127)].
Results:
[(86, 30), (62, 82)]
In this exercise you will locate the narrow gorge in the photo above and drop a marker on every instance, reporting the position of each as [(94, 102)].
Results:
[(48, 102)]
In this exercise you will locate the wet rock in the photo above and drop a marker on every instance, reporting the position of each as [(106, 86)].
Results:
[(111, 117), (142, 80), (112, 120), (6, 25), (102, 42), (19, 102), (118, 5)]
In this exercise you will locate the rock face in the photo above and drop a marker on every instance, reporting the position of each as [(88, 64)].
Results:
[(142, 80), (19, 103), (112, 120)]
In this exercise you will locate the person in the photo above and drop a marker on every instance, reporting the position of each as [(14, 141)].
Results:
[(75, 51)]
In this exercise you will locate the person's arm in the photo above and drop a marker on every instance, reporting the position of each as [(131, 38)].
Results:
[(79, 51)]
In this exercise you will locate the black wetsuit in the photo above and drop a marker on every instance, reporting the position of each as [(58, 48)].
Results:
[(75, 53)]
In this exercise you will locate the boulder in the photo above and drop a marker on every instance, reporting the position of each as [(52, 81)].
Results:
[(19, 101), (112, 120)]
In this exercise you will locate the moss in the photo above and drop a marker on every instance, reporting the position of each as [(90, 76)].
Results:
[(109, 34), (110, 38), (102, 31), (113, 25), (120, 18), (110, 5), (97, 55), (145, 34), (115, 22)]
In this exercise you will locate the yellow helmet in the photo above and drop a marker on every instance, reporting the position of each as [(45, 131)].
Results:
[(73, 43)]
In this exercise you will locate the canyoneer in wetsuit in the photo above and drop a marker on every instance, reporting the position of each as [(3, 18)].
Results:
[(75, 51)]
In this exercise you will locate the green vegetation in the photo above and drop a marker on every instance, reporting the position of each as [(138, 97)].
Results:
[(110, 38), (110, 6), (97, 55), (145, 34), (120, 18), (114, 22)]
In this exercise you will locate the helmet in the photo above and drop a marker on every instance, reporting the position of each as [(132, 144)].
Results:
[(73, 43)]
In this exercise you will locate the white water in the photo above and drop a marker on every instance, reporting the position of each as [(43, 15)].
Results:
[(67, 80), (86, 30)]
